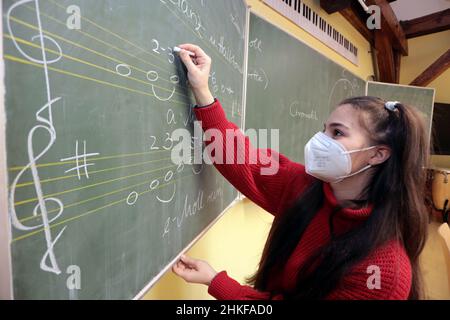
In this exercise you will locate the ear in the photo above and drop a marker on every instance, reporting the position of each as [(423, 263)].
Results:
[(381, 154)]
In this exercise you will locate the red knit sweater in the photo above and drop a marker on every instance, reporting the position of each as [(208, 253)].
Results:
[(275, 193)]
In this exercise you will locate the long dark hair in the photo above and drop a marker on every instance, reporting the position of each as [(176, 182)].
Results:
[(396, 190)]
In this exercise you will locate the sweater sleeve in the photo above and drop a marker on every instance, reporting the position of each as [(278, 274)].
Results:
[(223, 287), (260, 174), (384, 275)]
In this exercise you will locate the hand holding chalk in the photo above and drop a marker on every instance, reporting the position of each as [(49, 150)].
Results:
[(198, 73), (178, 50), (194, 270)]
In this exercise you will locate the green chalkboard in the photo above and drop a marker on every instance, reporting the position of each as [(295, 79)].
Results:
[(421, 98), (292, 87), (93, 94)]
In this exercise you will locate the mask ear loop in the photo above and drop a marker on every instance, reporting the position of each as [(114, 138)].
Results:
[(359, 150), (359, 171), (355, 173)]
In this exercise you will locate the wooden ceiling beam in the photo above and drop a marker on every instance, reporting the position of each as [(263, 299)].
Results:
[(389, 43), (435, 22), (391, 26), (385, 58), (353, 17), (332, 6), (434, 71), (397, 65)]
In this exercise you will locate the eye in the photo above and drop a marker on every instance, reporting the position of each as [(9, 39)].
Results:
[(337, 132)]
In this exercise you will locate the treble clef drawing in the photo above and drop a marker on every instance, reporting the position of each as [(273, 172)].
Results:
[(45, 128)]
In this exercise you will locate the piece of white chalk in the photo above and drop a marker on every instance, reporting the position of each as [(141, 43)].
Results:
[(177, 49)]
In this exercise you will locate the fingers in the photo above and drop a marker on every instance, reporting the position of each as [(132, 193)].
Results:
[(194, 270), (189, 262), (199, 53), (187, 60), (178, 269), (184, 265), (184, 271)]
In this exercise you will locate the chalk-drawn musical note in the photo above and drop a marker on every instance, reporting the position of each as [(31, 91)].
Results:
[(167, 178), (44, 117), (153, 76)]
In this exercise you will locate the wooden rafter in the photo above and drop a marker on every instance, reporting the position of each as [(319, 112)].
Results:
[(436, 22), (432, 72), (389, 43), (385, 58), (391, 26), (332, 6), (397, 65), (355, 20)]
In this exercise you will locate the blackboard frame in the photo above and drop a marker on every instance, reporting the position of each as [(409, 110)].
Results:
[(6, 289)]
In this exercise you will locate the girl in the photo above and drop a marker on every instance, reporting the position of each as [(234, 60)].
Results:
[(349, 224)]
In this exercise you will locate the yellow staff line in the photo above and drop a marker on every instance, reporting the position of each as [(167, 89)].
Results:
[(92, 65), (19, 60), (110, 32), (135, 45), (25, 184), (85, 48), (114, 47), (51, 164), (90, 186), (123, 39), (92, 199), (101, 41), (92, 211), (98, 53)]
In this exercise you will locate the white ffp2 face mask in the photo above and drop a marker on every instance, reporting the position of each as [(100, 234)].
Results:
[(328, 160)]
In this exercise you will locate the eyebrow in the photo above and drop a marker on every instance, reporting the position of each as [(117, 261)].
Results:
[(336, 124)]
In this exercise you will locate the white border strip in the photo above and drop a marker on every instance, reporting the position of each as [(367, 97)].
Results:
[(6, 288), (246, 50), (145, 290)]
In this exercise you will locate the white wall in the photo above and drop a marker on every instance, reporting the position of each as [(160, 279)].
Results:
[(411, 9)]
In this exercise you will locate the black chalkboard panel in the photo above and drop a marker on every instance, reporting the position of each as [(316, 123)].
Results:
[(93, 93)]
